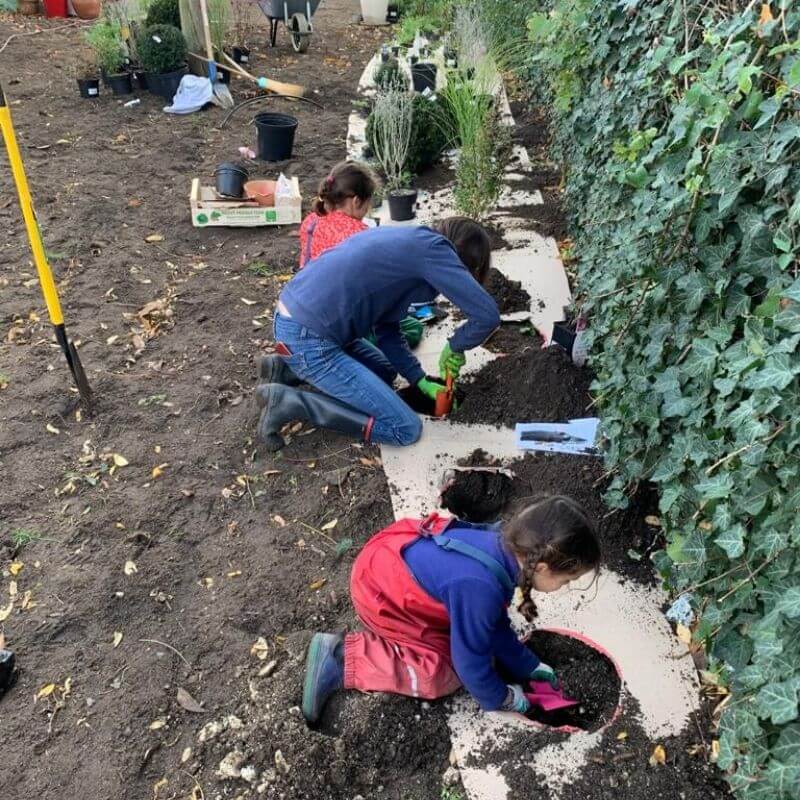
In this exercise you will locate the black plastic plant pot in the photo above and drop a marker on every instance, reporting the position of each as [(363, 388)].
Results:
[(141, 78), (384, 55), (392, 13), (89, 88), (424, 76), (401, 204), (275, 135), (413, 60), (231, 178), (121, 84), (241, 55), (165, 84), (224, 75), (395, 50)]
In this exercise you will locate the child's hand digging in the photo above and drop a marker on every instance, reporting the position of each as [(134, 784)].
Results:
[(516, 700)]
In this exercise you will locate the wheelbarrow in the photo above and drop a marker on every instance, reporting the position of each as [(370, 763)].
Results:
[(295, 15)]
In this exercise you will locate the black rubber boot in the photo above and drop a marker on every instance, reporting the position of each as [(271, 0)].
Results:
[(274, 369), (283, 404)]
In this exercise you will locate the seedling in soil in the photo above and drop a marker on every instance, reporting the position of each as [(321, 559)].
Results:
[(22, 537), (263, 270), (451, 794)]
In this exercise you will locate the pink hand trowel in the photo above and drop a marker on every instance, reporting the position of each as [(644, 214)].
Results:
[(548, 698)]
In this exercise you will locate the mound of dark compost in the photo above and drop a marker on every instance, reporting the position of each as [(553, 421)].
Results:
[(585, 674), (534, 385), (477, 495), (420, 402), (510, 295)]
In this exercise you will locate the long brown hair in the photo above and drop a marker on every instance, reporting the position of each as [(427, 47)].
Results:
[(555, 531), (347, 179), (471, 242)]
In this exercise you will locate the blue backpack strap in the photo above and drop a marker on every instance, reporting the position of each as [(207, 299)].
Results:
[(492, 564)]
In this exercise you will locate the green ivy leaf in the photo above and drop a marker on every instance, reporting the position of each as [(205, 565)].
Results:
[(732, 541), (789, 602), (778, 702), (783, 779), (777, 374), (716, 487), (787, 748)]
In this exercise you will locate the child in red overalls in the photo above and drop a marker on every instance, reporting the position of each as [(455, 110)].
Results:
[(434, 594)]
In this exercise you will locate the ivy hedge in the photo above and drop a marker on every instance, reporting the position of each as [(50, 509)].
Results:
[(678, 127)]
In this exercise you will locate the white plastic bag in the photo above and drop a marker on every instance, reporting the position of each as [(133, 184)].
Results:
[(283, 187)]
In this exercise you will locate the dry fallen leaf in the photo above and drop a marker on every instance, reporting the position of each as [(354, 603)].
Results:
[(659, 756), (235, 574), (119, 461), (622, 736), (683, 633), (714, 750), (186, 754), (45, 691), (6, 612), (653, 520), (317, 584), (330, 525), (27, 603), (766, 14), (112, 339), (157, 724), (158, 786), (159, 470), (117, 638), (15, 567), (130, 568), (278, 520), (260, 649), (154, 237), (52, 429), (12, 588), (2, 642), (248, 302), (186, 701)]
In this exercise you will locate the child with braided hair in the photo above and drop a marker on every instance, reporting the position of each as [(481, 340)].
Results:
[(433, 596)]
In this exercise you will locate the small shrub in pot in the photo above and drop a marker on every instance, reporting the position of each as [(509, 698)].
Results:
[(163, 12), (87, 74), (162, 52), (105, 38), (389, 75)]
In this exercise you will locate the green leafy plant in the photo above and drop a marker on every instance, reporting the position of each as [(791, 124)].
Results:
[(105, 38), (389, 75), (161, 49), (219, 21), (163, 12), (410, 26), (678, 123), (484, 142), (23, 536), (430, 135), (392, 119)]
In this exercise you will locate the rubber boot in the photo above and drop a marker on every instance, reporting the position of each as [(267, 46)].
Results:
[(283, 404), (274, 369), (324, 673)]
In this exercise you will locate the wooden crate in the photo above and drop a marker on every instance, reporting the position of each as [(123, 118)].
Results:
[(209, 211)]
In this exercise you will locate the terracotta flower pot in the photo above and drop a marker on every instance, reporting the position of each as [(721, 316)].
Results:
[(86, 9)]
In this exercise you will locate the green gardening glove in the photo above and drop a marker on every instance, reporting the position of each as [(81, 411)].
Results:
[(544, 672), (429, 388), (450, 363)]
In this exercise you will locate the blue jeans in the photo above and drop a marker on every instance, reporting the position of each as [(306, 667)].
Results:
[(348, 377)]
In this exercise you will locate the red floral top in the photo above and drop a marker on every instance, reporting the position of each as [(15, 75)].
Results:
[(320, 233)]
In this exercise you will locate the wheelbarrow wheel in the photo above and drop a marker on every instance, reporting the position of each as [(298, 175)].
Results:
[(299, 32)]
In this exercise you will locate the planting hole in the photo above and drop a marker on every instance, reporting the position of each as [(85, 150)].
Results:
[(585, 674), (421, 403), (477, 495)]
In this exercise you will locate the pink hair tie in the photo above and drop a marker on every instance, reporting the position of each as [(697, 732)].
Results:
[(329, 181)]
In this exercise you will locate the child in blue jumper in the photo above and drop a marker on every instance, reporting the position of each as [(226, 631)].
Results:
[(433, 596)]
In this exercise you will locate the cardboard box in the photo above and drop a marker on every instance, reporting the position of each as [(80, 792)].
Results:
[(209, 211)]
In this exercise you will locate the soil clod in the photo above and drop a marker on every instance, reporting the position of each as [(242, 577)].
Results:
[(477, 495)]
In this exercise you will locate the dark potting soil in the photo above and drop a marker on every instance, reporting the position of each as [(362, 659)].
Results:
[(477, 496), (584, 674), (526, 386), (626, 536), (619, 766), (509, 295), (545, 218), (496, 236), (511, 337)]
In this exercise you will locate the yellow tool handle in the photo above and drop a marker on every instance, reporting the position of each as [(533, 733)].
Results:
[(28, 214)]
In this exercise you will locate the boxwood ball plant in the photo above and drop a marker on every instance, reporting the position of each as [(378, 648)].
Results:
[(161, 49)]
